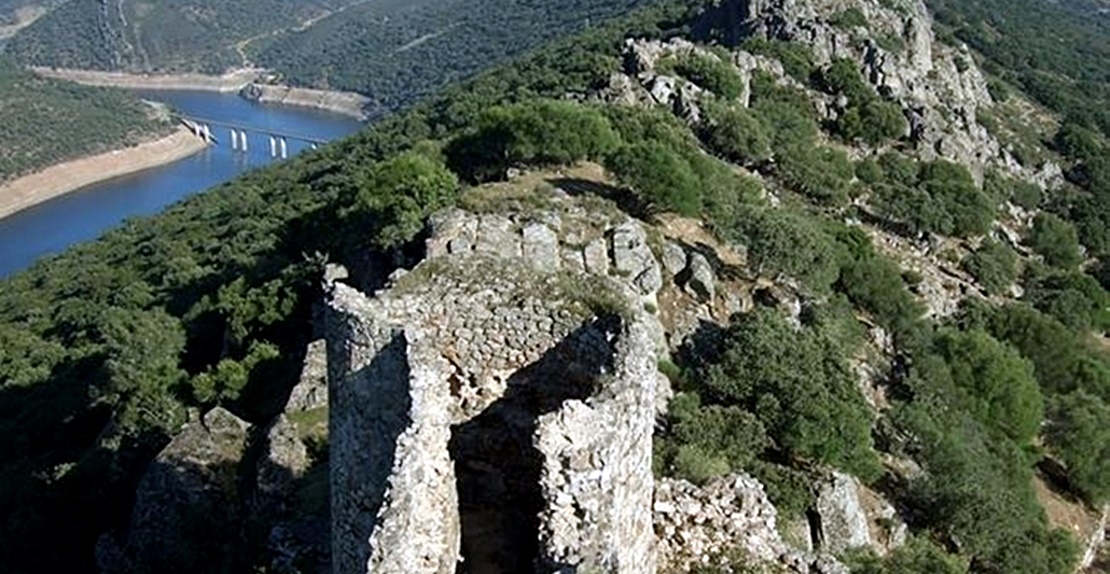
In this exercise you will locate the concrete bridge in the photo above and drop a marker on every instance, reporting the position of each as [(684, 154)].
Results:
[(278, 139)]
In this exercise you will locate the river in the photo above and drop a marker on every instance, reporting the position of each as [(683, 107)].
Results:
[(87, 213)]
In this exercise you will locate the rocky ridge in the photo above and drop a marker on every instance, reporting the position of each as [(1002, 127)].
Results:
[(940, 88)]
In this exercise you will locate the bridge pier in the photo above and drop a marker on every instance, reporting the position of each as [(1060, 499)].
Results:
[(279, 141)]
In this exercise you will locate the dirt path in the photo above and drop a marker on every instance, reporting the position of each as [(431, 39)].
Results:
[(63, 178)]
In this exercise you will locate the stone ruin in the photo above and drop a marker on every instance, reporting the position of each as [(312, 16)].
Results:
[(490, 416), (492, 410)]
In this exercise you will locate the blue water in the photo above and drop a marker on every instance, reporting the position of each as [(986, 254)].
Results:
[(87, 213)]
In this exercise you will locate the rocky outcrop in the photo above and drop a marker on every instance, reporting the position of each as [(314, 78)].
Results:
[(496, 404), (848, 515), (1095, 543), (843, 524), (348, 103), (311, 390), (940, 88), (727, 523), (186, 511)]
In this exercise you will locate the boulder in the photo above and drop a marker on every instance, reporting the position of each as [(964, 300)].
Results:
[(311, 391), (541, 246), (632, 258), (843, 523), (674, 258), (701, 283), (187, 506)]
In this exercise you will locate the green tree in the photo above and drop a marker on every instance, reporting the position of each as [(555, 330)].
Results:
[(995, 383), (994, 266), (659, 175), (799, 386), (737, 135), (1078, 431), (785, 242), (400, 192), (1055, 240), (533, 133)]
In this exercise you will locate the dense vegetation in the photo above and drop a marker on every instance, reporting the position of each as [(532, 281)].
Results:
[(48, 121), (157, 36), (397, 52), (104, 348)]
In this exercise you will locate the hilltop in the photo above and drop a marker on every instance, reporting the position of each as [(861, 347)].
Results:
[(837, 277)]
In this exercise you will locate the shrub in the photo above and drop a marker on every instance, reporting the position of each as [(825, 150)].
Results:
[(850, 18), (711, 73), (1055, 240), (952, 186), (1075, 299), (659, 175), (994, 382), (994, 266), (1026, 195), (942, 198), (1078, 431), (872, 121), (737, 135), (796, 58), (822, 173), (798, 384)]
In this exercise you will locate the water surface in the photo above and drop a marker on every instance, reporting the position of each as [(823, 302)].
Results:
[(87, 213)]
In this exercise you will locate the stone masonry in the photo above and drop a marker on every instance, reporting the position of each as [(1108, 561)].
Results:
[(492, 411)]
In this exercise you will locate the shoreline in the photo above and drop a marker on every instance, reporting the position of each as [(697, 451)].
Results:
[(66, 177), (228, 83), (247, 82)]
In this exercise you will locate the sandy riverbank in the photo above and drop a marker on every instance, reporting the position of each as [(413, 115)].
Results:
[(72, 175), (245, 82), (228, 83)]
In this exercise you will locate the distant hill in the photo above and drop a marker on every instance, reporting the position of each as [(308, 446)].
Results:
[(49, 121), (158, 35), (392, 50), (396, 52)]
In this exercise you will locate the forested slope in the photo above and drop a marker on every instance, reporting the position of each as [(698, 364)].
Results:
[(48, 121), (164, 35), (106, 348), (398, 52)]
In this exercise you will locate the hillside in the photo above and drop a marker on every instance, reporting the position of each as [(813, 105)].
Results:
[(835, 283), (50, 121), (17, 14), (399, 52), (160, 36)]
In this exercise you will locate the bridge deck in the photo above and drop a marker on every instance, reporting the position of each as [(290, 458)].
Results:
[(254, 129)]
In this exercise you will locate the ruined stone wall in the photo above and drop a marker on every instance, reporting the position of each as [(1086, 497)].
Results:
[(597, 473), (488, 414)]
